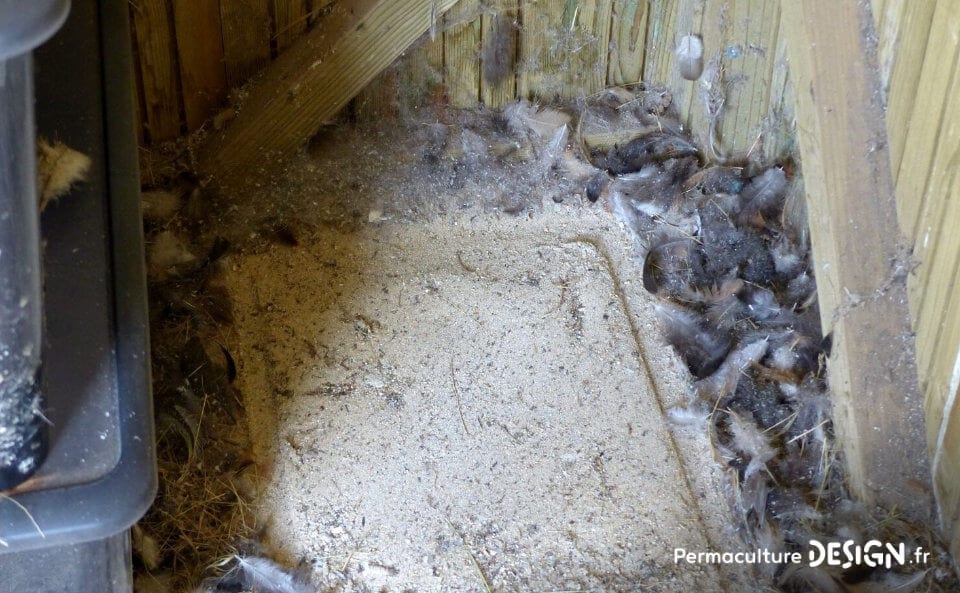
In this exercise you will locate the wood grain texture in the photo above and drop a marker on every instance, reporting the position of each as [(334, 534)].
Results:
[(937, 247), (421, 77), (200, 55), (500, 38), (379, 101), (855, 237), (736, 99), (908, 51), (779, 130), (563, 48), (669, 21), (929, 99), (246, 38), (461, 43), (934, 297), (628, 39), (407, 86), (158, 71), (315, 78), (748, 59), (289, 21)]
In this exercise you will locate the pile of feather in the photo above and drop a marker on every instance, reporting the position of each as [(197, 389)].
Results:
[(726, 252), (724, 249)]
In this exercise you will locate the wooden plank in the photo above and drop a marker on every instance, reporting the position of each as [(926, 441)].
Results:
[(461, 42), (414, 81), (929, 100), (877, 10), (289, 21), (888, 23), (877, 407), (161, 93), (908, 51), (938, 340), (563, 48), (379, 101), (308, 84), (669, 21), (711, 89), (748, 59), (779, 134), (938, 244), (946, 458), (246, 38), (421, 77), (500, 38), (200, 56), (628, 40)]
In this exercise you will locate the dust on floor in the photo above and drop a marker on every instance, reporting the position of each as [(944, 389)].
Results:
[(471, 404)]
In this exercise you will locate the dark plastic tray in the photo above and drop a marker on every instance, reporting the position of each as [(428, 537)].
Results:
[(100, 474)]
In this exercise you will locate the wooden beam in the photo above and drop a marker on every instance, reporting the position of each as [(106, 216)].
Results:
[(860, 253), (200, 52), (309, 83)]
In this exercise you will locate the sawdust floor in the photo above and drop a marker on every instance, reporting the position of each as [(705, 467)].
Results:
[(472, 403)]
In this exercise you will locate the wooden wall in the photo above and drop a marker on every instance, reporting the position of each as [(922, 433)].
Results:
[(191, 53), (919, 50)]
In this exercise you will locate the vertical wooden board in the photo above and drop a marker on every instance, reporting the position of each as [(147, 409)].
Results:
[(713, 86), (421, 76), (289, 21), (877, 8), (380, 100), (588, 58), (748, 59), (628, 39), (937, 243), (246, 38), (161, 97), (541, 55), (940, 380), (779, 135), (908, 52), (461, 51), (946, 472), (200, 56), (855, 237), (563, 48), (934, 288), (668, 22), (888, 25), (499, 36), (929, 100)]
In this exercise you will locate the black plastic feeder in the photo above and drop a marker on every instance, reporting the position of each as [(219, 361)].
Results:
[(77, 459)]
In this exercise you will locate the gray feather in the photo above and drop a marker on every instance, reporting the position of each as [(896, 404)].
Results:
[(258, 575)]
